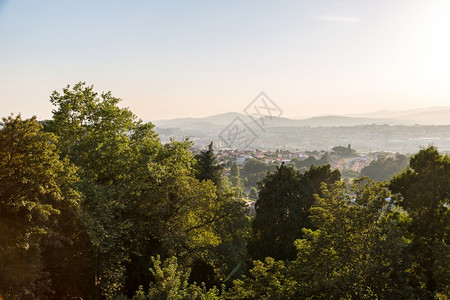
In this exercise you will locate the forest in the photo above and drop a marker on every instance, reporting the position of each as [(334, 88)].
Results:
[(94, 206)]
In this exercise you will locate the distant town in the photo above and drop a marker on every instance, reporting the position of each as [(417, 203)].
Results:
[(322, 133)]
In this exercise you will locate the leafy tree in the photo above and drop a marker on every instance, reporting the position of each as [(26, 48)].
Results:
[(207, 167), (303, 165), (383, 168), (344, 151), (253, 166), (140, 198), (358, 248), (37, 203), (270, 279), (424, 192), (255, 170), (183, 217), (113, 151), (171, 282)]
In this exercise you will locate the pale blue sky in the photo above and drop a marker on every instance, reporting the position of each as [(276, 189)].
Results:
[(195, 58)]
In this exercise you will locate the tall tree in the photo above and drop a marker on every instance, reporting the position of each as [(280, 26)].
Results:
[(113, 151), (235, 175), (207, 167), (282, 209), (277, 224), (37, 212), (424, 192), (234, 171)]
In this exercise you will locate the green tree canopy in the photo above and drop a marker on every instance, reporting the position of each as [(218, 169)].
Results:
[(424, 192), (36, 204), (357, 250), (383, 168), (141, 198)]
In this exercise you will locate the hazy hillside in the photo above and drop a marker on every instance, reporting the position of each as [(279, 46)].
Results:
[(347, 121), (205, 123), (424, 116), (222, 120), (437, 117)]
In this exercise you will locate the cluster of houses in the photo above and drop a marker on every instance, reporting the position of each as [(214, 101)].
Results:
[(356, 163), (241, 156)]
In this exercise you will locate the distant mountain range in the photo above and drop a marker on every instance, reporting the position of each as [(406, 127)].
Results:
[(424, 116), (427, 116)]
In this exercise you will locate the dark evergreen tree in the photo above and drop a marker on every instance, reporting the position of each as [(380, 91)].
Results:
[(235, 176), (234, 170), (282, 209), (207, 167)]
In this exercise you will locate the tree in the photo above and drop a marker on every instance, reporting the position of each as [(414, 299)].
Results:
[(276, 224), (37, 202), (357, 249), (140, 198), (344, 151), (234, 172), (255, 170), (114, 153), (282, 209), (383, 168), (171, 282), (303, 165), (270, 279), (424, 192), (207, 167), (235, 175)]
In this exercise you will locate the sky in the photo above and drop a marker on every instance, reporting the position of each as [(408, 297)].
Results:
[(169, 59)]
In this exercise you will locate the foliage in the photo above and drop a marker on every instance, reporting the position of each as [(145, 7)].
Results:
[(93, 206), (113, 151), (303, 165), (266, 280), (344, 151), (235, 175), (140, 198), (357, 249), (282, 209), (207, 167), (383, 168), (171, 283), (254, 171), (36, 204), (424, 192)]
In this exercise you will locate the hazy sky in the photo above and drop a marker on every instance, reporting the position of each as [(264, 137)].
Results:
[(194, 58)]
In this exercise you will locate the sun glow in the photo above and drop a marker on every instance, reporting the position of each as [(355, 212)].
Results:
[(432, 44)]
